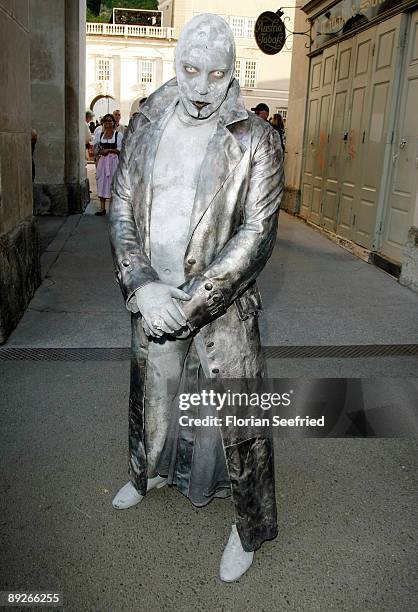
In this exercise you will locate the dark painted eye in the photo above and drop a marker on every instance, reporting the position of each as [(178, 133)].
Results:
[(190, 69), (218, 74)]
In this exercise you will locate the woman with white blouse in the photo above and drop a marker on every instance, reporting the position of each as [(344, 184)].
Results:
[(107, 144)]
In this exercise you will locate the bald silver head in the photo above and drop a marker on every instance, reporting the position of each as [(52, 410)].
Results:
[(205, 62)]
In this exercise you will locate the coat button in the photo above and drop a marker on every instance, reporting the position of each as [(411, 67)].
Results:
[(215, 371), (191, 261), (126, 262), (208, 286), (209, 344), (216, 298)]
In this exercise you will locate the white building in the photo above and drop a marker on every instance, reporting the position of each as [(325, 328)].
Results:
[(126, 63)]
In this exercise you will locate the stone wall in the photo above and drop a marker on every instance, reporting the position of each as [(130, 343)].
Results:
[(20, 273), (19, 244), (409, 273)]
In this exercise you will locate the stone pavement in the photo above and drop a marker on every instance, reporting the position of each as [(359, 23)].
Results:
[(347, 507)]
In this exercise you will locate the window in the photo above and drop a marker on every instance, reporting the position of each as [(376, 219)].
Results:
[(242, 27), (102, 69), (238, 70), (246, 72), (250, 25), (249, 73), (146, 71), (237, 25)]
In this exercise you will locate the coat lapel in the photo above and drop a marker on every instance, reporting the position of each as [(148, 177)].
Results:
[(222, 157), (148, 141)]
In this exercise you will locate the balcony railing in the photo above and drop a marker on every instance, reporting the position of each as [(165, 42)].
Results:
[(113, 29)]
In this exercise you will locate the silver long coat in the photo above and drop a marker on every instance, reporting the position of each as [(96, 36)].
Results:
[(233, 231)]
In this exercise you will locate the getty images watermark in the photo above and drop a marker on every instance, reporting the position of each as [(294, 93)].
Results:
[(226, 403)]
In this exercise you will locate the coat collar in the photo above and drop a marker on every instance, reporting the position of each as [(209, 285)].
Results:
[(225, 150), (231, 110)]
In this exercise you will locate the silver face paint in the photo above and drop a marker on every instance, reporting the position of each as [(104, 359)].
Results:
[(205, 61)]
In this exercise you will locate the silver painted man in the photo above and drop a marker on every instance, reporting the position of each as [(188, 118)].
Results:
[(193, 221)]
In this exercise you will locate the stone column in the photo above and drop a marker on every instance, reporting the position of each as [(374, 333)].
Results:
[(75, 93), (57, 83), (19, 243)]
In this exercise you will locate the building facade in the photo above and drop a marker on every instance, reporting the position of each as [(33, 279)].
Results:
[(352, 167), (126, 63)]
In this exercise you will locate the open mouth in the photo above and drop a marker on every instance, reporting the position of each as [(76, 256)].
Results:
[(200, 105)]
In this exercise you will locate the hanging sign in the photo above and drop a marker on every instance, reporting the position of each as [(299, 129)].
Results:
[(270, 32)]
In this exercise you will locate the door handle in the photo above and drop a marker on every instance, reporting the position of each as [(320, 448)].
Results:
[(403, 143)]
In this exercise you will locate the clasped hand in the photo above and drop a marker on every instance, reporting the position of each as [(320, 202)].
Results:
[(160, 310)]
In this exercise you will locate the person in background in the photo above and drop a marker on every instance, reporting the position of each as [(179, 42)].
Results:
[(88, 136), (262, 111), (99, 127), (118, 126), (106, 147), (278, 124)]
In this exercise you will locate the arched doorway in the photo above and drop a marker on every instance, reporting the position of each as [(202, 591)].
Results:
[(100, 105)]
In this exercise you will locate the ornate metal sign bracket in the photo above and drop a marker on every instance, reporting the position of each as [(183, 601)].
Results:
[(307, 33), (271, 33)]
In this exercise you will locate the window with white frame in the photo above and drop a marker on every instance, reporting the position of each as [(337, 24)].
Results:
[(242, 27), (246, 72), (249, 73), (249, 26), (145, 71), (238, 70), (237, 25), (283, 112), (103, 69)]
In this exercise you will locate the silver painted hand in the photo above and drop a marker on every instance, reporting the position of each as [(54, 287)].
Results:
[(157, 303)]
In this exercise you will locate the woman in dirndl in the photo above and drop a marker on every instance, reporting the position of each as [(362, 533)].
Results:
[(106, 147)]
